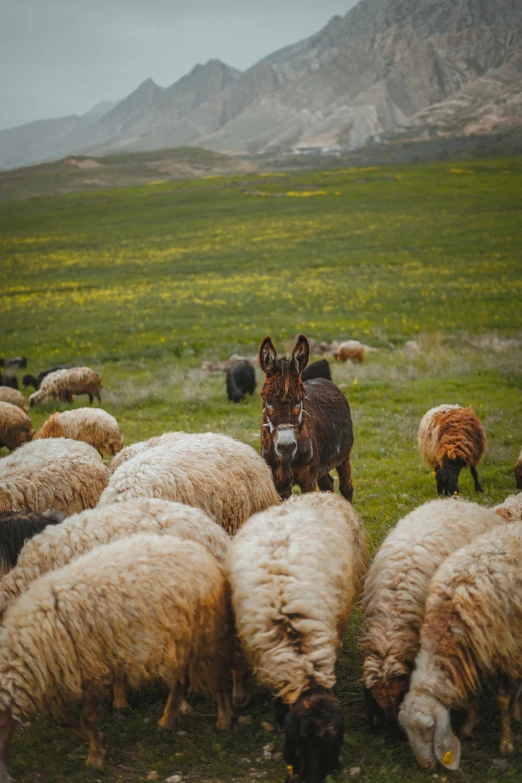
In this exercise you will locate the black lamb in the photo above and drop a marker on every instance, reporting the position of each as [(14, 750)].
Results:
[(241, 379), (320, 369), (9, 380), (16, 527)]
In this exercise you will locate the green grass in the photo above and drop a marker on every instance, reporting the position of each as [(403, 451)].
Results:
[(145, 283)]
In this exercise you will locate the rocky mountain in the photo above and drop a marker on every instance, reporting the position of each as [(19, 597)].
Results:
[(417, 67)]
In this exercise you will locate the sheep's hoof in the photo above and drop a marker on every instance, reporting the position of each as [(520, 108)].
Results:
[(506, 747), (185, 708), (467, 731), (95, 759), (224, 722)]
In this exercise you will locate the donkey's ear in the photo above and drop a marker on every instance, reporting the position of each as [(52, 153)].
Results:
[(301, 354), (267, 356)]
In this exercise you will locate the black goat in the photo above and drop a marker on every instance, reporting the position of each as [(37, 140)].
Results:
[(320, 369), (241, 379), (30, 380), (18, 526), (9, 380)]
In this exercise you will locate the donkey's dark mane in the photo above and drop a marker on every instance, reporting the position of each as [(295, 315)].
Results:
[(278, 384)]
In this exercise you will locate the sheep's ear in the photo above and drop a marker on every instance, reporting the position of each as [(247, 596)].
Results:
[(446, 744), (301, 354), (267, 356)]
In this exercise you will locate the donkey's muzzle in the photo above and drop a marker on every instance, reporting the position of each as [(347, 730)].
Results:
[(285, 444)]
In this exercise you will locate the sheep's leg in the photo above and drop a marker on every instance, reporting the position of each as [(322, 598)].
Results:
[(517, 705), (91, 398), (472, 718), (326, 483), (119, 701), (241, 681), (96, 749), (344, 471), (224, 715), (172, 707), (473, 471), (7, 726), (503, 700)]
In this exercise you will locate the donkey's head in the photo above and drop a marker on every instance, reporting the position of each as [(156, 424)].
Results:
[(283, 394)]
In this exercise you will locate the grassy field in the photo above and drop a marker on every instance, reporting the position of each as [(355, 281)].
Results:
[(145, 283)]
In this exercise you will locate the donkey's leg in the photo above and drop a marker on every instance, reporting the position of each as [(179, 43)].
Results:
[(326, 483), (473, 471), (344, 471), (307, 479)]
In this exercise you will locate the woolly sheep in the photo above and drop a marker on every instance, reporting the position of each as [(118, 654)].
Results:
[(15, 426), (518, 471), (136, 448), (451, 438), (30, 380), (473, 626), (92, 425), (64, 384), (294, 572), (225, 478), (14, 397), (511, 509), (396, 590), (80, 533), (350, 349), (241, 379), (66, 475), (16, 527), (170, 594)]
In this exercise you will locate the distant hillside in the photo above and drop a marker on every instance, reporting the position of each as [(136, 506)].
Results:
[(79, 173), (425, 67)]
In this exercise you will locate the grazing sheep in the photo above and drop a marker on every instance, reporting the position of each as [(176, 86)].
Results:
[(222, 476), (136, 448), (351, 350), (170, 594), (320, 369), (92, 425), (14, 397), (64, 384), (451, 438), (396, 590), (473, 626), (241, 379), (511, 509), (80, 533), (9, 380), (17, 527), (30, 380), (294, 572), (518, 471), (15, 426), (66, 475)]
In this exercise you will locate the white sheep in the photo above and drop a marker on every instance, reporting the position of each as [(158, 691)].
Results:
[(136, 448), (15, 426), (396, 590), (295, 571), (61, 474), (92, 425), (13, 396), (449, 439), (225, 478), (473, 626), (73, 633), (64, 384)]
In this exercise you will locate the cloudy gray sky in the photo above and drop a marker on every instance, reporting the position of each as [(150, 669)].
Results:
[(60, 57)]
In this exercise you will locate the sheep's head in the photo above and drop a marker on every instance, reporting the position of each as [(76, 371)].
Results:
[(314, 730), (426, 722), (30, 380), (447, 476), (385, 680)]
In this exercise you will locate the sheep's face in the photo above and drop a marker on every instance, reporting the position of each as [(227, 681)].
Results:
[(426, 722), (314, 730), (448, 480)]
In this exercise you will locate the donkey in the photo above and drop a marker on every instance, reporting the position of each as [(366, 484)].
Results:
[(307, 427)]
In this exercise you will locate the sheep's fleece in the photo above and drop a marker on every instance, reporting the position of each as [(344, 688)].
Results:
[(13, 396), (92, 425), (396, 587), (73, 633), (225, 478), (136, 448), (453, 432), (294, 571), (57, 545), (61, 474), (15, 426), (511, 508)]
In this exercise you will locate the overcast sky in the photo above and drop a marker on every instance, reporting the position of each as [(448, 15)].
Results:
[(60, 57)]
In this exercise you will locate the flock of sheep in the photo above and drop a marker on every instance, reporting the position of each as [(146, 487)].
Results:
[(182, 543)]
